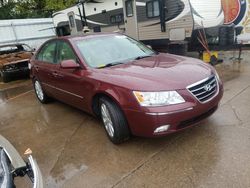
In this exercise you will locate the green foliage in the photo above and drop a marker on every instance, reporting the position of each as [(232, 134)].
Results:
[(7, 10), (59, 4), (32, 8)]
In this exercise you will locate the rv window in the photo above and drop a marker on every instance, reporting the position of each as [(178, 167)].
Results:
[(153, 9), (129, 8), (116, 19), (71, 21)]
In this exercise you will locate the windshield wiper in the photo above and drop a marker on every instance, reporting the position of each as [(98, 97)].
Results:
[(144, 56), (109, 65)]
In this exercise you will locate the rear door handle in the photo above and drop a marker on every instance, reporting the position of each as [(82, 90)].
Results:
[(36, 68)]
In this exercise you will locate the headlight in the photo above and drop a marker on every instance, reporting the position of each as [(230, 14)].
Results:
[(158, 98)]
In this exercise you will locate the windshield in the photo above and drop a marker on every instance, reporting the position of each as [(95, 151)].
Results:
[(102, 51)]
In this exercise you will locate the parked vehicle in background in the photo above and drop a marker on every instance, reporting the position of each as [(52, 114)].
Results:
[(14, 61), (134, 89), (12, 165), (33, 32), (163, 24), (156, 23)]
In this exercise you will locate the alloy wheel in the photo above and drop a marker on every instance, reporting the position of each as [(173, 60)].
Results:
[(39, 91), (108, 124)]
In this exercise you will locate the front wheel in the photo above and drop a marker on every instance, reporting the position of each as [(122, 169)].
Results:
[(42, 97), (115, 123)]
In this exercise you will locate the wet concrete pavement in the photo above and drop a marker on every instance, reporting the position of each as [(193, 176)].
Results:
[(73, 151)]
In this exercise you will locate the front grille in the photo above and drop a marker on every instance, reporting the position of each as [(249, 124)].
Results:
[(205, 89)]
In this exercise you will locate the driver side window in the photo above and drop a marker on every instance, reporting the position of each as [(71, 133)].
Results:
[(65, 52)]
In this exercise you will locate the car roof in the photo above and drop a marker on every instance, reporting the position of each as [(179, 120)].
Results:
[(87, 35)]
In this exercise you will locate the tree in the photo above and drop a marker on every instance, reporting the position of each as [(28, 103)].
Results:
[(2, 2), (59, 5), (32, 8), (7, 10)]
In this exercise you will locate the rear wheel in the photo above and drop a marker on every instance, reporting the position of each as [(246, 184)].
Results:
[(115, 123), (42, 97)]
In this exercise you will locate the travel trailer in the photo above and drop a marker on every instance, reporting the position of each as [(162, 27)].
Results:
[(160, 23)]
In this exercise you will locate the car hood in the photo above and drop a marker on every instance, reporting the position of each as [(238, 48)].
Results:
[(157, 73)]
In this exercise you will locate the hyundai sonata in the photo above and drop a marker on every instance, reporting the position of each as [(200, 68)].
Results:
[(133, 89)]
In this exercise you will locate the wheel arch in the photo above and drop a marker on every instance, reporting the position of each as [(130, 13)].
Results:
[(96, 98)]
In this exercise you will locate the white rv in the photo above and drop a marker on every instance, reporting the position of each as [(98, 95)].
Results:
[(152, 21), (157, 22)]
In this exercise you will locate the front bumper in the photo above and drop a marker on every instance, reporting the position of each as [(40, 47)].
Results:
[(178, 117)]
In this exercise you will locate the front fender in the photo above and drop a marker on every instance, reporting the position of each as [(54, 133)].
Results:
[(122, 96)]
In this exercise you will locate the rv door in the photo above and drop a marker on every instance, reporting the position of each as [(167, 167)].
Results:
[(72, 23), (130, 18)]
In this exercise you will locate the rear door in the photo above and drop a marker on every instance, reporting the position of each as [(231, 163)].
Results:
[(130, 18)]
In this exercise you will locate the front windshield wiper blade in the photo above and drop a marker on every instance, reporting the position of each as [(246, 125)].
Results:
[(109, 65), (144, 56)]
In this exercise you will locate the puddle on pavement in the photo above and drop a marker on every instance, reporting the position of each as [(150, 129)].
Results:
[(229, 71), (7, 94), (68, 172)]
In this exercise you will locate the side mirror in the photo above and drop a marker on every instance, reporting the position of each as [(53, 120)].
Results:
[(69, 64)]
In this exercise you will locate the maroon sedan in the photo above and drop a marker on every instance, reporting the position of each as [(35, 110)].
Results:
[(132, 88)]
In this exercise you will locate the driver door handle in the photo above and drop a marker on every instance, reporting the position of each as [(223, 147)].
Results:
[(57, 75)]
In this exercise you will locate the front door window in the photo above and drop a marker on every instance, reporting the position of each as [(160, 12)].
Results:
[(65, 52)]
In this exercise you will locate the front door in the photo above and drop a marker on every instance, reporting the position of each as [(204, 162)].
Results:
[(69, 82), (130, 18)]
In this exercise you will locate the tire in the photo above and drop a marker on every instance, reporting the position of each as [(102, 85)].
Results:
[(40, 94), (114, 121)]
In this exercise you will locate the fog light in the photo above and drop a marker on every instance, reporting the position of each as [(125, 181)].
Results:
[(162, 129)]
